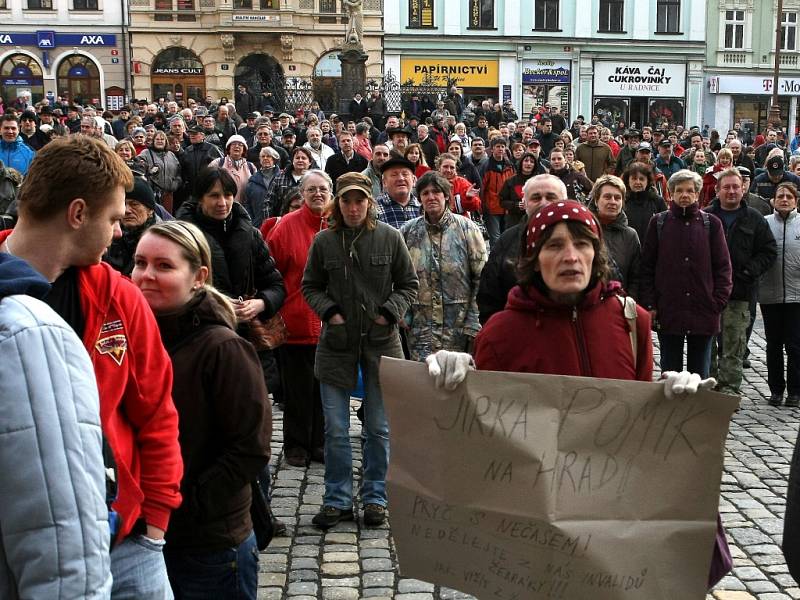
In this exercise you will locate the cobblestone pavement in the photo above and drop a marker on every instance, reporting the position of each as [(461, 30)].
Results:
[(350, 562)]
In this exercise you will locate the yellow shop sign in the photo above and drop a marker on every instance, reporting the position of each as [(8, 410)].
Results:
[(465, 73)]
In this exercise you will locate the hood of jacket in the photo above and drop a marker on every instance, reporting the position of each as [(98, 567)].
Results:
[(201, 312), (18, 277), (621, 222), (531, 299)]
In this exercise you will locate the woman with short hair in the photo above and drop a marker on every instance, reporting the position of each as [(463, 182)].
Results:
[(685, 277), (622, 242)]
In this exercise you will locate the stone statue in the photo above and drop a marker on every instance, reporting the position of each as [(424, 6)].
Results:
[(355, 22)]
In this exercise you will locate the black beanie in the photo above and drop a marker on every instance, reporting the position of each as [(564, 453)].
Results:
[(142, 192)]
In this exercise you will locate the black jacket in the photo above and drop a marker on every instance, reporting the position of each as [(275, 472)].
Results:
[(337, 165), (624, 250), (240, 259), (640, 208), (499, 273), (121, 251), (751, 246), (194, 158)]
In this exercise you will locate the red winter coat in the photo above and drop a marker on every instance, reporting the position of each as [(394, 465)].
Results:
[(289, 243), (134, 379), (460, 203), (535, 335)]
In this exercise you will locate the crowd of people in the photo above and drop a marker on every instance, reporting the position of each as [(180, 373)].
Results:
[(174, 239)]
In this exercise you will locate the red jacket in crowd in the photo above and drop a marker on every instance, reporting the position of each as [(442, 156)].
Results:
[(461, 203), (289, 242), (134, 379), (535, 335)]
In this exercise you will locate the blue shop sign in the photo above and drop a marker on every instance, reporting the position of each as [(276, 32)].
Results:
[(545, 71), (51, 39)]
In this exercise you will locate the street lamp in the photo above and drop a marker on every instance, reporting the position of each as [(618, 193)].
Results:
[(775, 110)]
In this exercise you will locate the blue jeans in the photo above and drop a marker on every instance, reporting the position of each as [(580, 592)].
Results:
[(229, 574), (338, 454), (698, 353), (495, 224), (138, 569)]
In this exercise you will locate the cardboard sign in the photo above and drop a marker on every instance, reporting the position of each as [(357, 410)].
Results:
[(519, 486)]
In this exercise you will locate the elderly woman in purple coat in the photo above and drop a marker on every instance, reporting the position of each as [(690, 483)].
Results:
[(685, 277)]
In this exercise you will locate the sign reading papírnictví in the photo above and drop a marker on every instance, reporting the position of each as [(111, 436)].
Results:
[(654, 80)]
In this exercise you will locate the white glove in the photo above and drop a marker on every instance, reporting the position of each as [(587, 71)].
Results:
[(449, 368), (685, 382)]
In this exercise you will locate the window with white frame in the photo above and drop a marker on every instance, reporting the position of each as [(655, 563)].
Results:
[(788, 30), (611, 12), (545, 15), (734, 30), (668, 16)]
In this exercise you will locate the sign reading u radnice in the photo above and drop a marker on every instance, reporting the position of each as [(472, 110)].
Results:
[(665, 80)]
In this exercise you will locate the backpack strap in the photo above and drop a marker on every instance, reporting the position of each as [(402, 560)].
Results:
[(660, 220), (629, 311), (706, 222)]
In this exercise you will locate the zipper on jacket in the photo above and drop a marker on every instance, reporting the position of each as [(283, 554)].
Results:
[(783, 262), (586, 370)]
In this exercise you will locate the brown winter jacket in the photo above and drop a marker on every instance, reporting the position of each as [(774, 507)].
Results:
[(225, 425)]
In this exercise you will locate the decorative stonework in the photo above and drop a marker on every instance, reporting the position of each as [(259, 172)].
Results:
[(227, 41), (207, 4), (306, 4), (287, 46), (175, 40), (373, 5)]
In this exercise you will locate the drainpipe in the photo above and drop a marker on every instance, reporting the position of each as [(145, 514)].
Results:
[(126, 64)]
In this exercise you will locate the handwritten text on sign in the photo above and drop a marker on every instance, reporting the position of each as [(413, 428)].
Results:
[(531, 486)]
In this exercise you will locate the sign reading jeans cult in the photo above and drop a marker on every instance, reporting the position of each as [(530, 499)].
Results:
[(535, 486)]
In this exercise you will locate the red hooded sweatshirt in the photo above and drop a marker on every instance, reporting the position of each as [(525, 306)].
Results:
[(289, 243), (134, 380), (535, 335)]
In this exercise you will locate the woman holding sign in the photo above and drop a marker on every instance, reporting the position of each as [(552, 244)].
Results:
[(565, 294)]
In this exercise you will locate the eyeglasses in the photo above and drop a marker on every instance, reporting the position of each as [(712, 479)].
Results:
[(323, 189)]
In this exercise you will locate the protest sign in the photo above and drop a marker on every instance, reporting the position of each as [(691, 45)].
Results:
[(518, 486)]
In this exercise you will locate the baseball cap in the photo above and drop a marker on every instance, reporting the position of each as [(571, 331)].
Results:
[(251, 115), (354, 181), (665, 143), (744, 171), (195, 129), (775, 165), (288, 131), (534, 142)]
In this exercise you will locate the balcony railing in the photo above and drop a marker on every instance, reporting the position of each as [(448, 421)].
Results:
[(734, 58)]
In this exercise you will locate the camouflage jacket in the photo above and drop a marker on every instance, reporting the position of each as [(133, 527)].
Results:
[(448, 258)]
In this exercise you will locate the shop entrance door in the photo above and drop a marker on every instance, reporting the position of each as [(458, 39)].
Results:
[(179, 88)]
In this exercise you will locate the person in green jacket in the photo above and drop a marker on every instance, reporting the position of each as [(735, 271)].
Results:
[(360, 280)]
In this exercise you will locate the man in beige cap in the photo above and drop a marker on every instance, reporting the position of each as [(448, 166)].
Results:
[(360, 280)]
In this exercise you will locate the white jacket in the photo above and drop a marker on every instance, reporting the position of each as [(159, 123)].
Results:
[(781, 284), (53, 515), (322, 155)]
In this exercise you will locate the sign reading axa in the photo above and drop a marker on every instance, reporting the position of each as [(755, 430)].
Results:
[(50, 39)]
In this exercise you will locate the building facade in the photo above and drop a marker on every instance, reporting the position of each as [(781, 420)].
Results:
[(634, 61), (72, 48), (740, 61), (286, 48)]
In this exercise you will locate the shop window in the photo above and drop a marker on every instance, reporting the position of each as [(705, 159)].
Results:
[(481, 14), (789, 31), (420, 14), (611, 12), (668, 16), (40, 4), (734, 29), (545, 15), (85, 5)]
